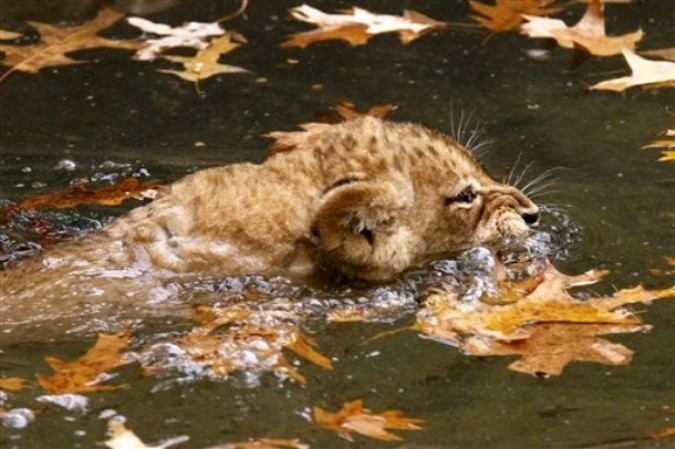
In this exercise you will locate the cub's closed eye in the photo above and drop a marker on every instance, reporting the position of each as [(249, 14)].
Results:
[(466, 196)]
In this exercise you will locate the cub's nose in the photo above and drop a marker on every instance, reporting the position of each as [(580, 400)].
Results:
[(530, 218)]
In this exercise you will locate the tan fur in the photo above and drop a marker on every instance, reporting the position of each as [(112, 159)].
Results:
[(366, 200)]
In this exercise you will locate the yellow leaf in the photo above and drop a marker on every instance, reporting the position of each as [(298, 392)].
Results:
[(56, 42), (646, 73), (9, 35), (84, 374), (353, 417), (588, 34)]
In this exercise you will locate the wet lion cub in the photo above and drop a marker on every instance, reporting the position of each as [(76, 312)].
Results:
[(367, 199)]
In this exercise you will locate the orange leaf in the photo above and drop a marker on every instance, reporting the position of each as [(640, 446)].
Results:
[(354, 418), (84, 374), (77, 195), (506, 15), (12, 383)]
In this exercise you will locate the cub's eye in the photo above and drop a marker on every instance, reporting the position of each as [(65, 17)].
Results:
[(466, 196)]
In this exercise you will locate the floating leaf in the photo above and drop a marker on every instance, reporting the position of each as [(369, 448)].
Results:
[(667, 145), (123, 438), (57, 42), (264, 443), (646, 73), (588, 34), (9, 35), (664, 53), (80, 194), (12, 383), (353, 417), (359, 26), (507, 15), (85, 374)]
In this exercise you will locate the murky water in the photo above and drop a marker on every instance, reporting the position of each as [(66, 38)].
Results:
[(611, 207)]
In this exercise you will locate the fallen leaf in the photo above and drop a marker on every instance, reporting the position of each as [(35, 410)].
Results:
[(57, 42), (359, 26), (507, 15), (12, 383), (290, 140), (123, 438), (190, 34), (524, 313), (662, 433), (205, 63), (264, 443), (550, 347), (9, 35), (85, 374), (670, 261), (664, 53), (588, 34), (646, 73), (667, 145), (353, 417), (80, 194)]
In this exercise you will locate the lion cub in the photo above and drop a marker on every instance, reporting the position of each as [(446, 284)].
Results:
[(365, 200)]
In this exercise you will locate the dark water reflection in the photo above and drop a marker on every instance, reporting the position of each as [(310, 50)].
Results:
[(615, 215)]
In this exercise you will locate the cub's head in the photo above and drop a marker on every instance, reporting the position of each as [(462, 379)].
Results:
[(398, 194)]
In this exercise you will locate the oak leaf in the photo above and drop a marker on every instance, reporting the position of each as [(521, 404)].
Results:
[(358, 26), (57, 42), (80, 194), (190, 34), (85, 374), (123, 438), (588, 34), (12, 383), (646, 73), (353, 417), (205, 63), (507, 15), (666, 144)]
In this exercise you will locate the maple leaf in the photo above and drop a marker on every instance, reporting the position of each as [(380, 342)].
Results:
[(80, 194), (85, 374), (205, 63), (190, 34), (359, 26), (264, 443), (588, 34), (353, 417), (667, 145), (506, 15), (123, 438), (57, 42), (516, 323), (12, 383), (290, 140), (646, 73)]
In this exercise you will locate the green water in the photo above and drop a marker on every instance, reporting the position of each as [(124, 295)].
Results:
[(618, 201)]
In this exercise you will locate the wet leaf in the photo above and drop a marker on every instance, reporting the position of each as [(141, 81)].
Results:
[(523, 313), (290, 140), (264, 443), (666, 144), (123, 438), (12, 383), (85, 374), (353, 417), (190, 34), (80, 194), (662, 433), (664, 53), (507, 15), (205, 63), (358, 26), (9, 35), (646, 73), (57, 42), (588, 34)]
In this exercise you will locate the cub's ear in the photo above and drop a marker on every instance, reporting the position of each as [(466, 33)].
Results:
[(361, 209)]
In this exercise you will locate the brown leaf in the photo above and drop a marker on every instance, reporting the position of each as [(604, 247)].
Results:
[(588, 34), (663, 53), (358, 25), (264, 443), (354, 418), (507, 15), (550, 347), (12, 383), (57, 42), (85, 374), (80, 194), (646, 73), (205, 63)]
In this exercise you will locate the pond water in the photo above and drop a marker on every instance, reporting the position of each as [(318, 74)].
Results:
[(611, 208)]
